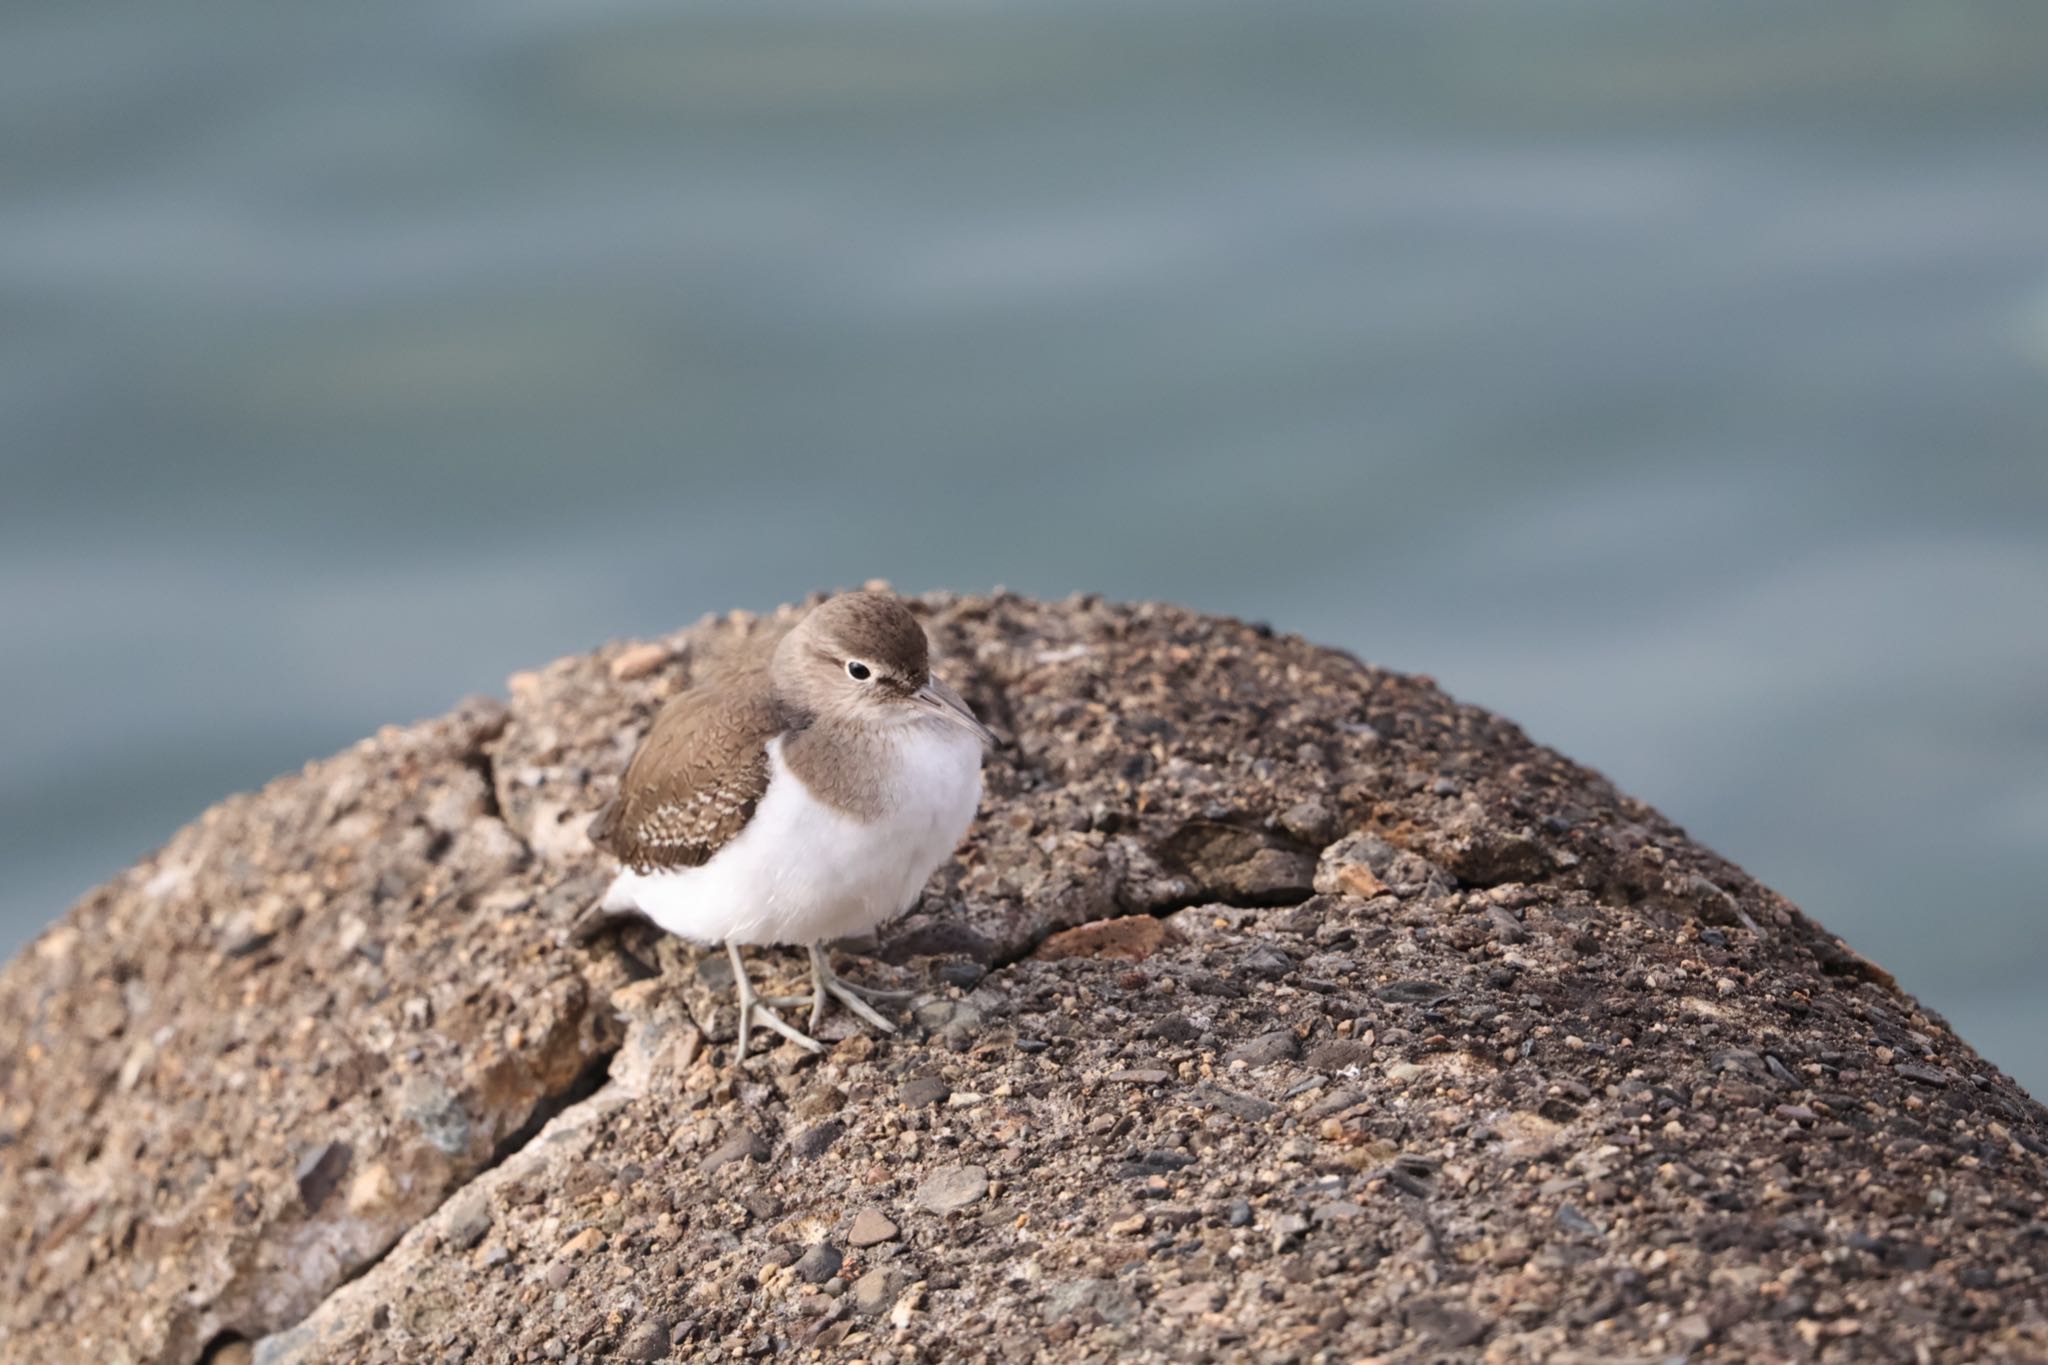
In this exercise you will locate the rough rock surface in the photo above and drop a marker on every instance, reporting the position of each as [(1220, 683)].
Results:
[(1397, 1035)]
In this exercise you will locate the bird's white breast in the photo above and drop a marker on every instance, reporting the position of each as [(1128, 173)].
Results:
[(803, 871)]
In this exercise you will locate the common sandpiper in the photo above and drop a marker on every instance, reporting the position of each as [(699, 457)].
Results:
[(797, 798)]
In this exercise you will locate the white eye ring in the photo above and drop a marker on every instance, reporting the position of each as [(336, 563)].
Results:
[(858, 671)]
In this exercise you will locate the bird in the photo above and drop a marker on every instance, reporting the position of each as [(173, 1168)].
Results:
[(797, 796)]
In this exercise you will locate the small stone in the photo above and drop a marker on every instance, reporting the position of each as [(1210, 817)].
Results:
[(959, 972), (582, 1244), (1143, 1075), (1339, 1053), (1132, 938), (1448, 1328), (1693, 1329), (948, 1018), (1401, 1073), (372, 1191), (320, 1172), (1106, 1299), (819, 1102), (558, 1273), (1286, 1228), (1239, 1214), (468, 1218), (1795, 1113), (813, 1142), (1356, 879), (874, 1291), (906, 1306), (744, 1145), (953, 1188), (1128, 1227), (1235, 1102), (1415, 992), (1338, 1211), (1266, 1049), (1309, 821), (1204, 1296), (1265, 963), (924, 1090), (646, 1341), (638, 661), (819, 1264), (871, 1227), (1569, 1217)]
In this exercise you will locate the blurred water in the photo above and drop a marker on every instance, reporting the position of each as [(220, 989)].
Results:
[(1668, 377)]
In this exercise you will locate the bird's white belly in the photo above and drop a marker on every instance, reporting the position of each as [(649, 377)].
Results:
[(805, 872)]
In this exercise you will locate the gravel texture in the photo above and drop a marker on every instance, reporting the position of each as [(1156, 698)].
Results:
[(1277, 1008)]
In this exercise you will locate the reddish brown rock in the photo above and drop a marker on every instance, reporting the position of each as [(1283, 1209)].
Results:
[(1128, 938)]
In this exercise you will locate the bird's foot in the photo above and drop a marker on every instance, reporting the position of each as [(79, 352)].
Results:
[(816, 1000), (753, 1007), (828, 982)]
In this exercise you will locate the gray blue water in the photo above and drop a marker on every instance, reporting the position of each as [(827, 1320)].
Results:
[(1673, 378)]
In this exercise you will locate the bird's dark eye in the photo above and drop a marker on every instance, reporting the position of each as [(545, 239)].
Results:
[(857, 670)]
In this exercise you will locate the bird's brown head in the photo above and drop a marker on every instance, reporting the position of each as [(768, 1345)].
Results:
[(864, 654)]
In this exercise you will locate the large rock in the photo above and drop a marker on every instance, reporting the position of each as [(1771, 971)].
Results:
[(1450, 1050)]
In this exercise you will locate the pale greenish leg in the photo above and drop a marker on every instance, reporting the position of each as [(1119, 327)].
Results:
[(826, 983), (752, 1005), (816, 1000), (826, 980)]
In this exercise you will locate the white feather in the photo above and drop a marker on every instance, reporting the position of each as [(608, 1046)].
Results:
[(805, 872)]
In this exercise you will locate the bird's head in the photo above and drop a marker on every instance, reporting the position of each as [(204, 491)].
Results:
[(862, 655)]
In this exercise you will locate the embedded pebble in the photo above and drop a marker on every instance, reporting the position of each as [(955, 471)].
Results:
[(1279, 1045), (819, 1264), (815, 1141), (923, 1091), (875, 1291), (744, 1145), (871, 1227), (647, 1340), (952, 1188)]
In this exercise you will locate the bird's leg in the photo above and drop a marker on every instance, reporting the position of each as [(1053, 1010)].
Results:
[(827, 983), (751, 1005), (849, 994), (874, 994), (816, 1000)]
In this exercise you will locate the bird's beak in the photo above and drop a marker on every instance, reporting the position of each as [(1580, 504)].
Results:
[(948, 704)]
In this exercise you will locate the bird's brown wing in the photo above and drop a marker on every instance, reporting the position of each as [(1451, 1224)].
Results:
[(695, 780)]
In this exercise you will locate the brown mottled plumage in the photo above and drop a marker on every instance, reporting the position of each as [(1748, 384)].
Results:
[(695, 780)]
